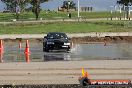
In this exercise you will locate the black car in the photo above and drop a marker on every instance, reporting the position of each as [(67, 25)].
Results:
[(56, 41)]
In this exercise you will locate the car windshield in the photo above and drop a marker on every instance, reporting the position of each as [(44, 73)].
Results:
[(56, 36)]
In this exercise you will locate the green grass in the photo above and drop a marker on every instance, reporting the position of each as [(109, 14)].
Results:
[(56, 15), (68, 27)]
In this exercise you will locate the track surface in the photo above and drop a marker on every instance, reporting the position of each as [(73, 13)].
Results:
[(65, 72)]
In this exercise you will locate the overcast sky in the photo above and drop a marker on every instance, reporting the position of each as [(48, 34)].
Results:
[(99, 5)]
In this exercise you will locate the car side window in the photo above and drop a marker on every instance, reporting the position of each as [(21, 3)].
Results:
[(50, 36)]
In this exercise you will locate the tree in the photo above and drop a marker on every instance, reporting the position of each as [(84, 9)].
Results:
[(16, 6), (13, 4), (69, 5), (36, 6), (126, 3), (19, 6)]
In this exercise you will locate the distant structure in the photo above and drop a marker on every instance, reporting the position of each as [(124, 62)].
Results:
[(86, 9), (65, 10), (121, 11), (82, 9)]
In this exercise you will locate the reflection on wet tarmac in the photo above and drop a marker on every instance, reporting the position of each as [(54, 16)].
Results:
[(58, 56), (12, 52), (27, 57), (1, 57)]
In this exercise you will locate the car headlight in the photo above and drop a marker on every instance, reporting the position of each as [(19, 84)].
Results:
[(67, 44), (50, 42)]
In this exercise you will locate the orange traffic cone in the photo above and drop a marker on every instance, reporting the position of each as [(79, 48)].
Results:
[(20, 45), (27, 51), (105, 43), (27, 57), (1, 46)]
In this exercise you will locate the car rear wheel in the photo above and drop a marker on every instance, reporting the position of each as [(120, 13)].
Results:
[(46, 49)]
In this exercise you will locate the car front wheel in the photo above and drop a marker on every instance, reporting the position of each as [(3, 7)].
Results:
[(46, 49)]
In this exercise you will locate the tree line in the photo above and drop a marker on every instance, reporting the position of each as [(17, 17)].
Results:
[(19, 6), (126, 3)]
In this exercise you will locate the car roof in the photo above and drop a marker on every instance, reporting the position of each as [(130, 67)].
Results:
[(56, 33)]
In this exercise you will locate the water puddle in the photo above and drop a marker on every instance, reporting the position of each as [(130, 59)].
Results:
[(116, 51)]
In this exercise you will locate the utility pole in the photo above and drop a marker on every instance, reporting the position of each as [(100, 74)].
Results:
[(78, 8)]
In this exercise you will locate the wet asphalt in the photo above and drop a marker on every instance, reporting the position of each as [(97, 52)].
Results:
[(92, 51)]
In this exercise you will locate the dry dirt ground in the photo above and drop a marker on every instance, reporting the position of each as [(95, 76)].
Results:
[(110, 39), (65, 72), (87, 39)]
